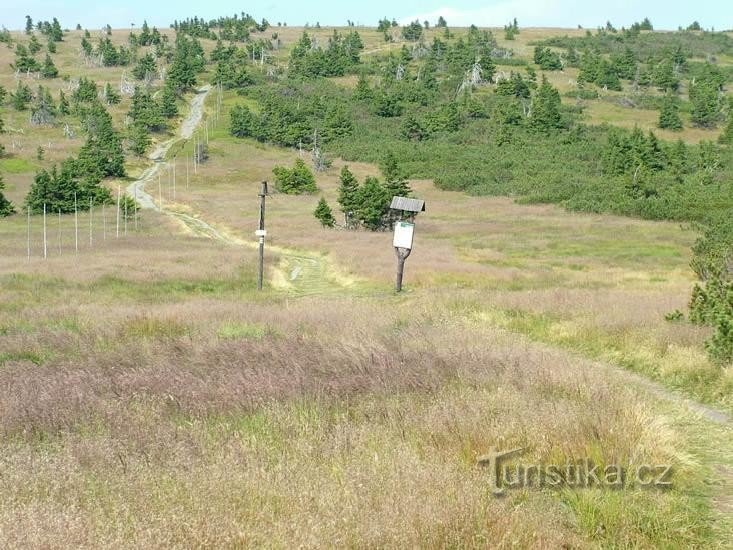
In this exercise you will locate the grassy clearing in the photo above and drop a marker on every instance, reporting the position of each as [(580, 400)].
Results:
[(289, 437), (163, 402)]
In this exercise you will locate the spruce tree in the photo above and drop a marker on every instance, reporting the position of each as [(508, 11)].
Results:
[(168, 105), (145, 66), (139, 139), (394, 181), (296, 180), (362, 90), (101, 156), (145, 110), (49, 70), (22, 97), (669, 117), (111, 96), (546, 108), (373, 204), (63, 103), (727, 135), (705, 102), (34, 46), (324, 214), (6, 207), (348, 197)]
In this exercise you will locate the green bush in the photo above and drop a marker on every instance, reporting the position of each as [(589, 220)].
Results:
[(296, 180)]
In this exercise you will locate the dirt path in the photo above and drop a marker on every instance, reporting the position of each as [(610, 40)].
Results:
[(297, 272), (137, 188)]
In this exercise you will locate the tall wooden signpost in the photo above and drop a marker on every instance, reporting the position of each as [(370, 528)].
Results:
[(404, 231)]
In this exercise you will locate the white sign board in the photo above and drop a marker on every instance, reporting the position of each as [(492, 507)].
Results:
[(260, 232), (403, 235)]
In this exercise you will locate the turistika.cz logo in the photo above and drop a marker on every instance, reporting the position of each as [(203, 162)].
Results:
[(579, 474)]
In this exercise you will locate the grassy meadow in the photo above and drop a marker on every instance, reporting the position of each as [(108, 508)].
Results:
[(150, 396)]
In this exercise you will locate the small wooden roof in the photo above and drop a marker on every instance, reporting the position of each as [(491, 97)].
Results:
[(407, 204)]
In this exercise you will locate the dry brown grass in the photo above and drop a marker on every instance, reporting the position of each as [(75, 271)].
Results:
[(150, 429)]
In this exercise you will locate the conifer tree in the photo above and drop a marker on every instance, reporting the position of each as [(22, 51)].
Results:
[(86, 92), (6, 207), (324, 214), (49, 70), (63, 103), (373, 204), (727, 135), (34, 46), (168, 105), (705, 102), (362, 91), (24, 61), (111, 96), (139, 139), (546, 108), (348, 194), (145, 66), (394, 182), (145, 110), (57, 35), (22, 97), (296, 180), (101, 155), (669, 117)]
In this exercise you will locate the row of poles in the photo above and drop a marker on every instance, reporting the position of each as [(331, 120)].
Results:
[(122, 216), (196, 154)]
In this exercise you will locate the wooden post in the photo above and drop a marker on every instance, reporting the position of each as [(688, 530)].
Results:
[(104, 223), (174, 178), (76, 225), (45, 242), (402, 254), (91, 222), (28, 209), (59, 232), (261, 235), (135, 207), (117, 232), (160, 193)]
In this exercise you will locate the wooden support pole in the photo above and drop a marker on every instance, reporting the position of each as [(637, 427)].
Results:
[(45, 242), (160, 193), (261, 228), (117, 231), (91, 222), (402, 254), (28, 209), (174, 178), (76, 225)]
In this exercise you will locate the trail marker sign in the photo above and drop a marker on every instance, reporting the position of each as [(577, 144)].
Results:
[(403, 232), (404, 207)]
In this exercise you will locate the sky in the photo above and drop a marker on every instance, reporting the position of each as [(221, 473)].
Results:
[(664, 14)]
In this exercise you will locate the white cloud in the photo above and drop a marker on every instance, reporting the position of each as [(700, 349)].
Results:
[(533, 13), (490, 16)]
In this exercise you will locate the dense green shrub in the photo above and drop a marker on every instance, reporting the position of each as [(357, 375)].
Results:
[(296, 180)]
